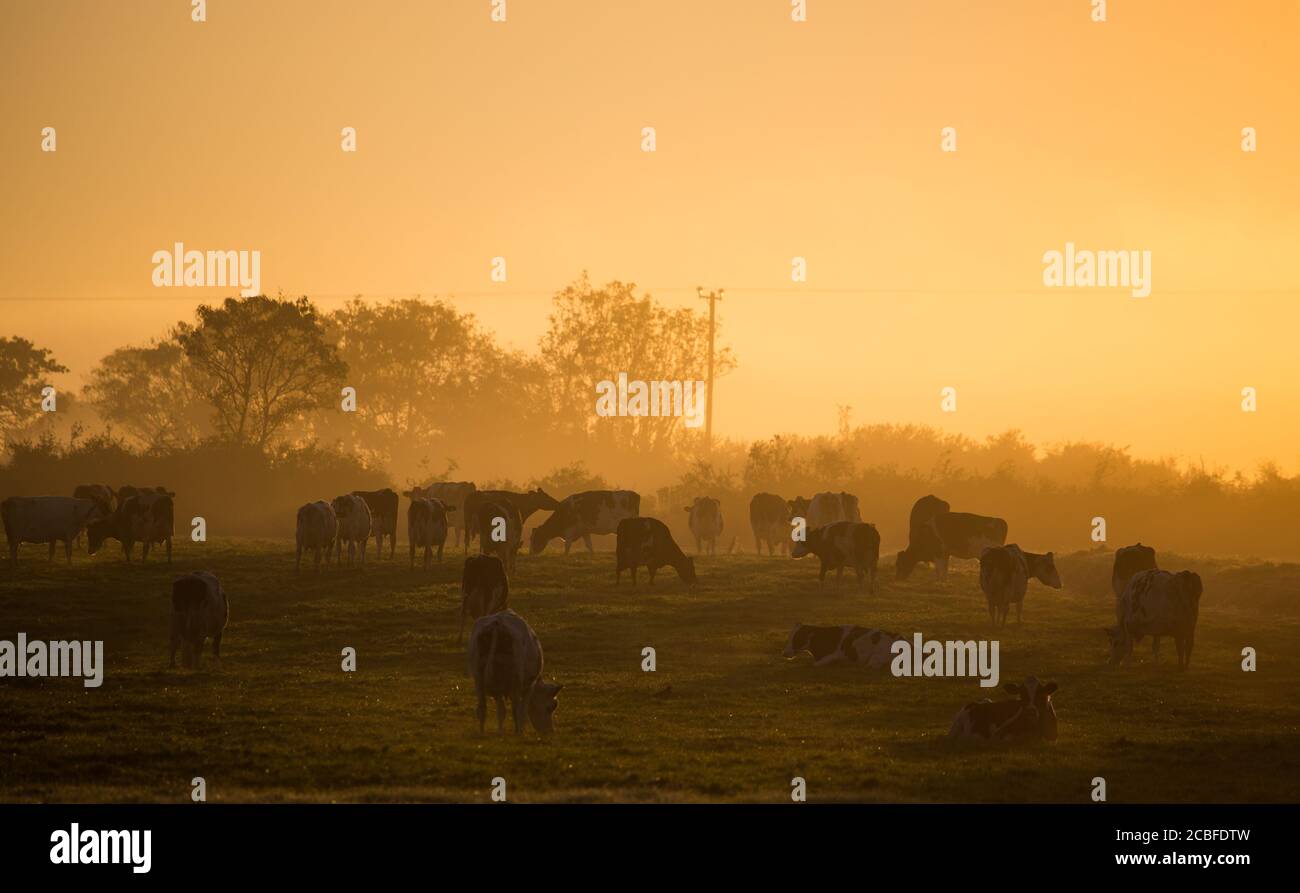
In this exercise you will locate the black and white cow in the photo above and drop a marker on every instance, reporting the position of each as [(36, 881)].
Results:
[(1005, 572), (383, 517), (582, 514), (1030, 717), (426, 525), (1157, 603), (500, 532), (199, 611), (844, 543), (769, 518), (484, 589), (828, 508), (648, 542), (354, 527), (453, 495), (959, 535), (705, 519), (316, 531), (842, 644), (505, 659), (46, 519)]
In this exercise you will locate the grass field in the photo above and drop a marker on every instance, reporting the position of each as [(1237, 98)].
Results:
[(723, 718)]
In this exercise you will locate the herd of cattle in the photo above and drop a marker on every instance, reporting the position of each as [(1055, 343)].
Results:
[(505, 655)]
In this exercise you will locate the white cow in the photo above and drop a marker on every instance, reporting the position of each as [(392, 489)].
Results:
[(827, 508), (354, 527), (1157, 603), (505, 659), (705, 518), (46, 519)]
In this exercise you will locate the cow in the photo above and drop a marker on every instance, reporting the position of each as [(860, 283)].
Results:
[(500, 532), (99, 493), (318, 527), (199, 611), (484, 589), (799, 507), (354, 527), (155, 503), (1157, 603), (705, 519), (1005, 572), (505, 659), (46, 519), (841, 644), (582, 514), (1128, 561), (526, 504), (827, 508), (647, 541), (843, 543), (383, 517), (1030, 717), (922, 541), (130, 523), (959, 535), (453, 495), (426, 525), (769, 518)]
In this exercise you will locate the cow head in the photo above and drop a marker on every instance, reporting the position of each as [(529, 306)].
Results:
[(537, 541), (1037, 717), (1119, 643), (343, 506), (797, 642), (805, 548), (904, 564), (545, 500), (1047, 571), (542, 704), (687, 569), (1190, 583), (97, 532), (798, 507)]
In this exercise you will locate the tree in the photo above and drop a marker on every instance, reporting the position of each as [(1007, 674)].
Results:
[(151, 393), (24, 370), (262, 362)]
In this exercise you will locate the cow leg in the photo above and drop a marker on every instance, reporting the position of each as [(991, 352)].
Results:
[(440, 553), (941, 568), (519, 704), (298, 562), (821, 577), (501, 714), (216, 650), (651, 571), (412, 554), (1019, 606), (586, 540), (176, 642), (13, 555), (428, 556), (67, 548), (1187, 649), (480, 711)]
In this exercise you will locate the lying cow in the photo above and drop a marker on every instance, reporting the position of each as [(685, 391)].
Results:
[(383, 517), (705, 518), (1157, 603), (844, 543), (648, 542), (1030, 717), (484, 589), (959, 535), (46, 519), (582, 514), (318, 527), (842, 644), (769, 518), (354, 527), (1005, 572), (426, 526), (505, 659), (199, 611)]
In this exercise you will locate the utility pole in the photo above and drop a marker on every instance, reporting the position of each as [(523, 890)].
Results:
[(713, 298)]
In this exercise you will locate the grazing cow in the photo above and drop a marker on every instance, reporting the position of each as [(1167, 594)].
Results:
[(426, 525), (705, 517), (923, 542), (318, 527), (130, 523), (500, 532), (582, 514), (1157, 603), (199, 611), (354, 527), (647, 541), (484, 589), (843, 543), (453, 495), (383, 517), (769, 517), (827, 508), (1030, 717), (960, 535), (102, 494), (525, 503), (841, 644), (46, 519), (505, 659), (1005, 572), (155, 510), (1128, 561)]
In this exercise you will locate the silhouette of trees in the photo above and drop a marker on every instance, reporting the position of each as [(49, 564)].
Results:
[(151, 393), (24, 370)]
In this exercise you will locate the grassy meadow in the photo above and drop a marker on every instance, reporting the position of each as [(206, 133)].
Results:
[(724, 717)]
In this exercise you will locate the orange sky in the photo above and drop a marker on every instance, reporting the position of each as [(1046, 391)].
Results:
[(775, 139)]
